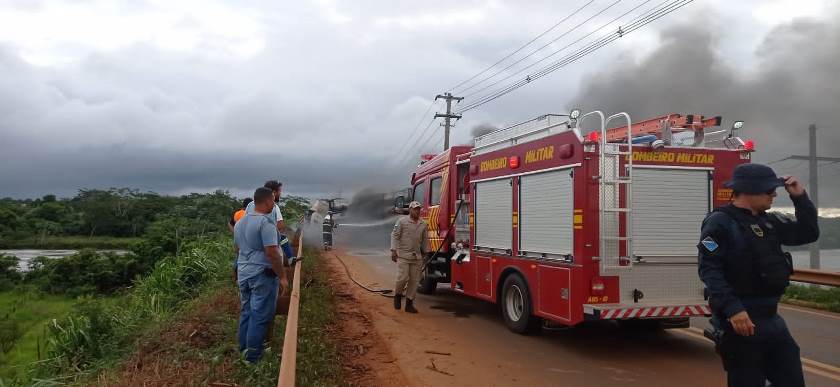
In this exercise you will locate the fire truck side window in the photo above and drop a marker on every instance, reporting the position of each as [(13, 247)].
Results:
[(435, 191), (420, 193)]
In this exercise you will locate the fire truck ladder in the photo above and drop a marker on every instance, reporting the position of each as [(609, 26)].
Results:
[(611, 180)]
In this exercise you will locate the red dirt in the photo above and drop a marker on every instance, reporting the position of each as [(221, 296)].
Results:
[(367, 358), (160, 360)]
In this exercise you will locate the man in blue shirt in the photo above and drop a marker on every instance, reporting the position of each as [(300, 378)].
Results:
[(276, 187), (259, 268)]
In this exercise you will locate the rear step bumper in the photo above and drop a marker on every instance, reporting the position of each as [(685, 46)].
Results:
[(629, 311)]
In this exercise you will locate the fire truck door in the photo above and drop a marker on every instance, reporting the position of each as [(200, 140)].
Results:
[(554, 285), (493, 228)]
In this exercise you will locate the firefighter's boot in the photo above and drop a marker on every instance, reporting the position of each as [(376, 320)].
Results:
[(398, 301), (409, 306)]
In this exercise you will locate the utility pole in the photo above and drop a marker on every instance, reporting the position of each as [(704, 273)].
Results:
[(448, 116), (813, 182)]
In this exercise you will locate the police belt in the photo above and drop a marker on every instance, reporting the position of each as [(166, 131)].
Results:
[(762, 311)]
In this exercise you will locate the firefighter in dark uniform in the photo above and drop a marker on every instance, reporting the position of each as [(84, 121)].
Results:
[(746, 271)]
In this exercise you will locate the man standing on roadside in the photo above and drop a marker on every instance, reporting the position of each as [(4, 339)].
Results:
[(746, 272), (408, 247), (276, 187), (259, 264), (239, 213)]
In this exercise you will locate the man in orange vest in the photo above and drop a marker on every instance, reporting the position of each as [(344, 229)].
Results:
[(239, 213)]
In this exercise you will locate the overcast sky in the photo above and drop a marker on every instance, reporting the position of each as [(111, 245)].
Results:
[(180, 96)]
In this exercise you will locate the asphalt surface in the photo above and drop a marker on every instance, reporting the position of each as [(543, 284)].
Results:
[(590, 354)]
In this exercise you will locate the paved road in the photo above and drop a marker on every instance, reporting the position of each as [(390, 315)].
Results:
[(593, 354)]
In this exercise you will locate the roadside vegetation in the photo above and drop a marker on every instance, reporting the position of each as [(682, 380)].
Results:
[(198, 345), (814, 297), (65, 319)]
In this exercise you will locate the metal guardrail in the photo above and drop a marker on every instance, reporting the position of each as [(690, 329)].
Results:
[(818, 277), (288, 360)]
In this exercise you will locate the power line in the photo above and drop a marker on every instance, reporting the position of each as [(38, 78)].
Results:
[(452, 89), (419, 122), (520, 71), (534, 52), (594, 46), (425, 134)]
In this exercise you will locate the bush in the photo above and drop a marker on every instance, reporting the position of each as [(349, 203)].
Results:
[(10, 332), (85, 272), (824, 298), (83, 338), (96, 333), (9, 274)]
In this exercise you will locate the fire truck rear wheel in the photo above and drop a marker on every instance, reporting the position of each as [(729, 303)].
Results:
[(516, 306)]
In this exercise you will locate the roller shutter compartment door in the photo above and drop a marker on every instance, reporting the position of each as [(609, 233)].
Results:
[(493, 214), (668, 207), (546, 217)]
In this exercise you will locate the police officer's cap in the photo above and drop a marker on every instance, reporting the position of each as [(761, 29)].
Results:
[(754, 179), (414, 205)]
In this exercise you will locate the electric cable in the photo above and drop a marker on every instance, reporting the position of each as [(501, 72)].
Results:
[(594, 46), (561, 49), (419, 142), (419, 122), (537, 50), (454, 88)]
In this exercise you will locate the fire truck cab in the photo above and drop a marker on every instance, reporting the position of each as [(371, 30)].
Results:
[(561, 219)]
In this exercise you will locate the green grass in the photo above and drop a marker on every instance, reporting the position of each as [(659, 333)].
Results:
[(815, 297), (71, 242), (96, 340), (318, 362), (32, 310)]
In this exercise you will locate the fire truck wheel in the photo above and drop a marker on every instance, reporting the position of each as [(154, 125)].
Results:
[(426, 286), (516, 306)]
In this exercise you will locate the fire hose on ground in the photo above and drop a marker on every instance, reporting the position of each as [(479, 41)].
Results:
[(387, 292)]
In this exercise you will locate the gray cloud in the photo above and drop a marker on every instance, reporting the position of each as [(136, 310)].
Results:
[(330, 98), (793, 86)]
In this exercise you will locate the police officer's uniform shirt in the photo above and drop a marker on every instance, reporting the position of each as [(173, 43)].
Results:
[(722, 240), (409, 238)]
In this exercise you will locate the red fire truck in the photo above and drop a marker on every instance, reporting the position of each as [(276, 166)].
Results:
[(561, 219)]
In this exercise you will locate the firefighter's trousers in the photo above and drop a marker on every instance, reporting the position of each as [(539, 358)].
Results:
[(408, 277)]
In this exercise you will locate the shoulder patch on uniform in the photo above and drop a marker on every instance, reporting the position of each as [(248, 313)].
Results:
[(709, 244)]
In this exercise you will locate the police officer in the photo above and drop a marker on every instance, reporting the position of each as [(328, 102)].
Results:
[(408, 247), (746, 272)]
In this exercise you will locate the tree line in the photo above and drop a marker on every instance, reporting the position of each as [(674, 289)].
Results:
[(160, 224)]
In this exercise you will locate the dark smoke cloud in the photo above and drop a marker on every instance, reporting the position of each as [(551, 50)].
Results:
[(795, 84), (482, 129)]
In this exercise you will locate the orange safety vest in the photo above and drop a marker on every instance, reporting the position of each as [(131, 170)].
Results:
[(238, 215)]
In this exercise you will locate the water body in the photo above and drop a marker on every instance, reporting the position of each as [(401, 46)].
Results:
[(829, 259), (26, 255)]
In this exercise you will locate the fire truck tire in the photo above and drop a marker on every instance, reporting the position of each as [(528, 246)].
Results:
[(517, 308), (426, 286)]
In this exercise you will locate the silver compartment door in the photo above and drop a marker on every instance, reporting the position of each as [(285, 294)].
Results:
[(668, 207), (546, 217), (494, 214)]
